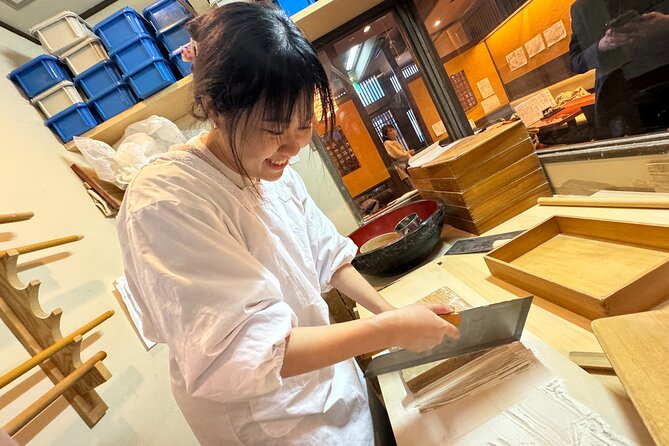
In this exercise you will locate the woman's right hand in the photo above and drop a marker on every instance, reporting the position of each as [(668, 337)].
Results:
[(418, 327)]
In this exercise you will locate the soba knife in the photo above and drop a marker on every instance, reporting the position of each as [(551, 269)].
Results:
[(480, 328)]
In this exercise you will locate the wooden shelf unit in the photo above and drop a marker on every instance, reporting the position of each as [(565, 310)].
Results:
[(175, 101), (172, 103)]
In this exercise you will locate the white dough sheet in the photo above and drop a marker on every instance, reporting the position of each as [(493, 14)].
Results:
[(530, 407), (548, 417)]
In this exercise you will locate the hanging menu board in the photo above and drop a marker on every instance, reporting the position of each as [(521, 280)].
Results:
[(340, 152), (463, 90)]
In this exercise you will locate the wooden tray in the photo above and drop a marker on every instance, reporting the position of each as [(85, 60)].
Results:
[(637, 345), (510, 210), (472, 177), (488, 186), (494, 202), (595, 268), (473, 151)]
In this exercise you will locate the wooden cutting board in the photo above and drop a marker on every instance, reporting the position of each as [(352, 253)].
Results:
[(637, 345)]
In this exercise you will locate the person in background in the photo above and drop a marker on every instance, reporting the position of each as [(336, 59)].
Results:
[(627, 43), (227, 255), (397, 152), (394, 148)]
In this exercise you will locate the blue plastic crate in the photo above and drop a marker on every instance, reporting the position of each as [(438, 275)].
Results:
[(73, 121), (136, 52), (174, 37), (165, 13), (117, 29), (291, 7), (98, 78), (38, 75), (184, 67), (151, 77), (113, 101)]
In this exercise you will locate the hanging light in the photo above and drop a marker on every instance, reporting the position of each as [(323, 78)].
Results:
[(352, 53)]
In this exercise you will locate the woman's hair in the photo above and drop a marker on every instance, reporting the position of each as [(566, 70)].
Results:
[(384, 131), (252, 55)]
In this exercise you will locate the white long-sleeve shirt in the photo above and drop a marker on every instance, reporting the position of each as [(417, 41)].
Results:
[(222, 276)]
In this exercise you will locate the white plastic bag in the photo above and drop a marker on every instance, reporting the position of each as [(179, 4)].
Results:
[(141, 142)]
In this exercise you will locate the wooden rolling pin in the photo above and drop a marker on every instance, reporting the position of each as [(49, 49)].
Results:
[(49, 397), (454, 318), (43, 245), (52, 349), (606, 202), (19, 216)]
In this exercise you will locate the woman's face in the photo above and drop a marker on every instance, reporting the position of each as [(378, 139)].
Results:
[(392, 133), (267, 145)]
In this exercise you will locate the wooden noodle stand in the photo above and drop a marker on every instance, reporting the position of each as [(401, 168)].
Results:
[(39, 333)]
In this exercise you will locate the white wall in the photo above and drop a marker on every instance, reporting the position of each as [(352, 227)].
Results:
[(324, 191), (35, 176)]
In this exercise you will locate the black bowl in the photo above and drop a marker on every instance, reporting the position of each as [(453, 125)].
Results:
[(405, 253)]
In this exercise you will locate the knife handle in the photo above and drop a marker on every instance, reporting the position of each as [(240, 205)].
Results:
[(453, 318)]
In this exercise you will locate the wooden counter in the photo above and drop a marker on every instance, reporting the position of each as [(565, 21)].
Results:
[(552, 330)]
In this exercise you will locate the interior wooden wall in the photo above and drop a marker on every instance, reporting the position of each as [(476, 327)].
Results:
[(530, 20), (372, 170), (477, 64)]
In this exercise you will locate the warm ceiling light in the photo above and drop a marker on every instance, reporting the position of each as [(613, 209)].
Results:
[(367, 28), (437, 23)]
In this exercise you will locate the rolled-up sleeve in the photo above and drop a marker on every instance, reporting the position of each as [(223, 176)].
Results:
[(330, 250), (217, 308)]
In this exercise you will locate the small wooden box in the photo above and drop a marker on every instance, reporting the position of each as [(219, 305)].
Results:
[(488, 186), (493, 201), (472, 177), (474, 151), (596, 268), (504, 213)]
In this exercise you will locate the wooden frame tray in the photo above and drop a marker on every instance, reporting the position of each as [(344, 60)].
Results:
[(596, 268), (513, 208), (475, 175), (488, 186), (495, 202), (474, 151)]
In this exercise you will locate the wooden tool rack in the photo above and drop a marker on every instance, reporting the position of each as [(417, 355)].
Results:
[(57, 355)]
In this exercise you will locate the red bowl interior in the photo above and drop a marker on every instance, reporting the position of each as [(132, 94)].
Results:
[(386, 223)]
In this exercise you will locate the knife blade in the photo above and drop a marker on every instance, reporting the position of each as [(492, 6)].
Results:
[(480, 328)]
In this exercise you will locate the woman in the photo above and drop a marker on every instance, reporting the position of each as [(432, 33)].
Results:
[(394, 148), (227, 255)]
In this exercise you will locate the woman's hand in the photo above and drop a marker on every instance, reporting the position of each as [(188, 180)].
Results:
[(418, 327)]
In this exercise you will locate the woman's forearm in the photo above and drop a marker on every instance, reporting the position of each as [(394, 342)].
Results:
[(415, 327), (312, 348)]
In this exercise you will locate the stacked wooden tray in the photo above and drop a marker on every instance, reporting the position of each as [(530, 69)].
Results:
[(484, 179), (595, 268)]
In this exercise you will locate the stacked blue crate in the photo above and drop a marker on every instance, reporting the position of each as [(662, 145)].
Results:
[(169, 18), (129, 40), (39, 74), (108, 94), (42, 73), (291, 7), (72, 121)]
